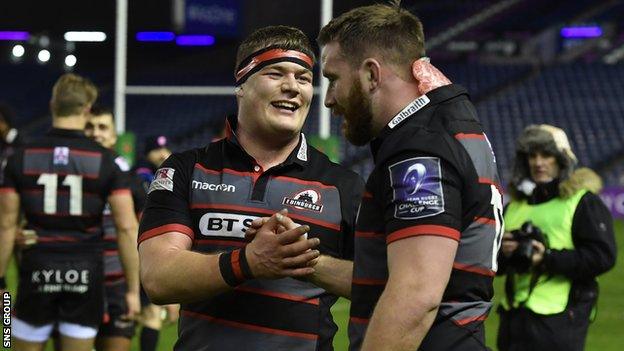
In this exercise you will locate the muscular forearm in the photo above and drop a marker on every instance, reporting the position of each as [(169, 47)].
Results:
[(126, 240), (399, 323), (182, 276), (333, 275)]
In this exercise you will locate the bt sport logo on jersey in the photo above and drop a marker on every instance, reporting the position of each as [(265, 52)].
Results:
[(417, 188)]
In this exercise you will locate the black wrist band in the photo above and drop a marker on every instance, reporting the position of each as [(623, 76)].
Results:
[(234, 267), (3, 283)]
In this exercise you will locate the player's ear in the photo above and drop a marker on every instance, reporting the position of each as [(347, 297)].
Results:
[(370, 74)]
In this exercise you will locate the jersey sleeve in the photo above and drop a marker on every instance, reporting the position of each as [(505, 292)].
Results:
[(421, 195), (167, 206)]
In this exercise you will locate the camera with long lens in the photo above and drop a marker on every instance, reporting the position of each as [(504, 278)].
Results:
[(522, 257)]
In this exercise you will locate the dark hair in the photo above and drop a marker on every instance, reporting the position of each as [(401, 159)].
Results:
[(280, 37), (390, 30), (98, 110), (71, 94)]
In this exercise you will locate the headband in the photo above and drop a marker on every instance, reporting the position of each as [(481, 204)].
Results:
[(268, 56)]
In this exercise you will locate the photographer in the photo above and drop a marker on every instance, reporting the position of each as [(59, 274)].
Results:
[(559, 238)]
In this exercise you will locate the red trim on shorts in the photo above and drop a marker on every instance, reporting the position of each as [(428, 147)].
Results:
[(256, 328), (367, 195), (423, 229), (473, 269), (469, 136), (173, 227), (7, 190), (266, 212), (280, 295)]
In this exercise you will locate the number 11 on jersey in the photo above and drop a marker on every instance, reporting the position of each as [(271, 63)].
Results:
[(50, 192)]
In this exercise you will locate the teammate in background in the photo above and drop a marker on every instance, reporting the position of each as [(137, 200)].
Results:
[(117, 331), (559, 239), (62, 181), (240, 295), (156, 152), (430, 221)]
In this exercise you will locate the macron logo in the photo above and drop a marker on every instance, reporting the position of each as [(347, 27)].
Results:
[(213, 187)]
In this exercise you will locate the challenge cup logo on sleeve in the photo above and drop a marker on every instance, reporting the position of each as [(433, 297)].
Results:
[(417, 188)]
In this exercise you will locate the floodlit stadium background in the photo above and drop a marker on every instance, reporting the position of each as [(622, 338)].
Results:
[(523, 61)]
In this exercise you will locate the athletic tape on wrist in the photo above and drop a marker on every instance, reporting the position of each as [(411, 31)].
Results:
[(234, 267)]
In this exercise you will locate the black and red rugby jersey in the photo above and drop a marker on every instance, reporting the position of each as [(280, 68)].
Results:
[(63, 180), (212, 194), (435, 174)]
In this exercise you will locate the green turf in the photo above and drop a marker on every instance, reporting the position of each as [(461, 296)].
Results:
[(605, 334)]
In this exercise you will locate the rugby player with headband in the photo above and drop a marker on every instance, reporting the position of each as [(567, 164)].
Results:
[(211, 237), (267, 56)]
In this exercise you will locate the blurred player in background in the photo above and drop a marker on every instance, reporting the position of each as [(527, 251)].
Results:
[(156, 151), (117, 331), (62, 181)]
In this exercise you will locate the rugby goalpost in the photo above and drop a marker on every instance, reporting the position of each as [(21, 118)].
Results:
[(122, 89)]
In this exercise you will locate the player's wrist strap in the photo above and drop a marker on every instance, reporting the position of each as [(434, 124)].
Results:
[(3, 283), (234, 267)]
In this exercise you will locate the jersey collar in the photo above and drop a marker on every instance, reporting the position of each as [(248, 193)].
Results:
[(411, 111), (67, 132), (299, 155)]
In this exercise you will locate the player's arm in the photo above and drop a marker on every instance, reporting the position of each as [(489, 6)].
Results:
[(419, 269), (334, 275), (122, 210), (171, 273), (9, 208), (421, 248)]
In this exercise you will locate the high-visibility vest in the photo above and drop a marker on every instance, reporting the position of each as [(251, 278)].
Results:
[(554, 217)]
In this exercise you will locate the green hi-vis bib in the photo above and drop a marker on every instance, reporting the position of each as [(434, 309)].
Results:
[(554, 218)]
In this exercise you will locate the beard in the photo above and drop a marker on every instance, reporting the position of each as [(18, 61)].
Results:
[(358, 116)]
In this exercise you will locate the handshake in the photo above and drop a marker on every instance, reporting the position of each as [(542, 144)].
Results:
[(280, 248)]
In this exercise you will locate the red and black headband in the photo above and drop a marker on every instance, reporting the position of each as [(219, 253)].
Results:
[(268, 56)]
